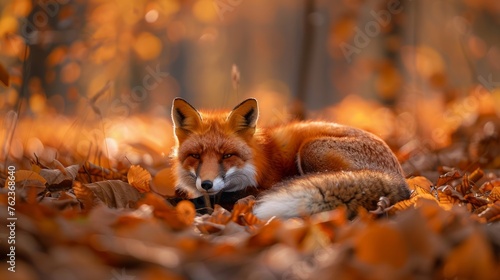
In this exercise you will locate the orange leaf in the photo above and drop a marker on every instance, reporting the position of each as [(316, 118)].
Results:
[(25, 175), (186, 212), (448, 177), (491, 213), (139, 178), (60, 178), (215, 222), (419, 182), (409, 203), (167, 213), (495, 194), (490, 185), (86, 196)]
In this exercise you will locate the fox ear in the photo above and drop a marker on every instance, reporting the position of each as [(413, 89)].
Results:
[(243, 118), (185, 117)]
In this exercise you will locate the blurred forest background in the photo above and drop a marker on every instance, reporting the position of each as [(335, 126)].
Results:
[(92, 76)]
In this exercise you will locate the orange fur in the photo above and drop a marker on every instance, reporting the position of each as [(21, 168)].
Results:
[(225, 151)]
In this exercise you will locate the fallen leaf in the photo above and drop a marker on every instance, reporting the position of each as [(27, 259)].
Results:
[(489, 185), (446, 178), (419, 182), (186, 212), (164, 182), (168, 213), (115, 193), (139, 178), (60, 180), (86, 196), (494, 194), (492, 213), (89, 173), (27, 175)]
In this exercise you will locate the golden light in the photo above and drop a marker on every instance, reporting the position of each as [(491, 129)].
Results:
[(70, 72), (8, 25), (111, 147), (204, 11), (147, 46), (151, 16)]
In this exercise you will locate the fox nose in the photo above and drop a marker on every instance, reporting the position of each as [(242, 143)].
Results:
[(207, 184)]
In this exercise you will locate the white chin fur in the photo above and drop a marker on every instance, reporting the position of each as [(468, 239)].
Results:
[(240, 178), (218, 184)]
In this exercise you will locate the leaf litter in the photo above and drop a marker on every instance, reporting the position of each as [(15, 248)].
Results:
[(88, 221)]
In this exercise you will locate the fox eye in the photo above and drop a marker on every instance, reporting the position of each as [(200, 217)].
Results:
[(196, 156), (226, 156)]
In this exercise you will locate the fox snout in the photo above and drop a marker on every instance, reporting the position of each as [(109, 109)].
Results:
[(207, 185)]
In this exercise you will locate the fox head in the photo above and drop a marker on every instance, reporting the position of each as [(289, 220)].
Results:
[(214, 151)]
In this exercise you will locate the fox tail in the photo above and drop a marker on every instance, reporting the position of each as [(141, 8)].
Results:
[(313, 193)]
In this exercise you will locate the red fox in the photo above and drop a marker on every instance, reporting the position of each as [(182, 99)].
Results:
[(302, 167)]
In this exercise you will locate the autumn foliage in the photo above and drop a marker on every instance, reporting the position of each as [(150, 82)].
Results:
[(86, 137), (98, 223)]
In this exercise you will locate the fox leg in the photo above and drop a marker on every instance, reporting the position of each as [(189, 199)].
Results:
[(335, 172)]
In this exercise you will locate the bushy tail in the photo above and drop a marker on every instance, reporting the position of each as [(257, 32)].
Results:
[(313, 193)]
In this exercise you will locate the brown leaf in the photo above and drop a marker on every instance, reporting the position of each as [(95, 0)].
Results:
[(60, 179), (447, 197), (26, 175), (492, 213), (490, 185), (186, 212), (215, 222), (476, 200), (419, 182), (476, 175), (167, 213), (446, 178), (242, 207), (115, 193), (412, 201), (89, 173), (4, 76), (28, 184), (139, 178), (86, 196), (495, 194)]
